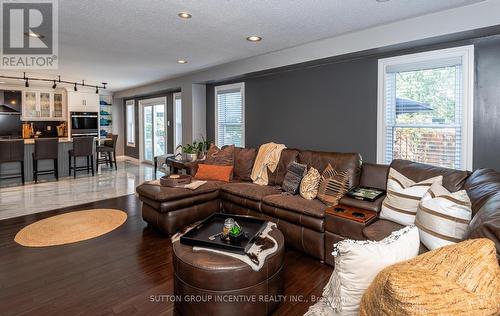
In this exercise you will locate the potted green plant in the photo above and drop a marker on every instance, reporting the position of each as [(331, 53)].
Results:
[(191, 151), (203, 147)]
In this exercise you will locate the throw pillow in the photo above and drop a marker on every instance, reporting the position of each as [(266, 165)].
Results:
[(214, 172), (357, 263), (403, 195), (443, 217), (221, 157), (332, 185), (309, 184), (460, 279), (294, 174)]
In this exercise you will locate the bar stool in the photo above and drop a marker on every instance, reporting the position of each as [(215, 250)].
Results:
[(109, 150), (45, 149), (82, 147), (12, 151)]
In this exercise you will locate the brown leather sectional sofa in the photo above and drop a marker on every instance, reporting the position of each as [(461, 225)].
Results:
[(301, 221)]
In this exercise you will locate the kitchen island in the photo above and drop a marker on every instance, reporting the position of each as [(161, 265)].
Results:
[(65, 145)]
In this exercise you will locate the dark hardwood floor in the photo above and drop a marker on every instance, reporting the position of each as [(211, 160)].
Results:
[(115, 274)]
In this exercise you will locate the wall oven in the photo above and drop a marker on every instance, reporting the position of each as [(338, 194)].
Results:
[(84, 124)]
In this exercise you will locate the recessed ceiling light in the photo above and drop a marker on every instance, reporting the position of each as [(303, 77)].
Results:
[(33, 34), (254, 38), (184, 15), (182, 61)]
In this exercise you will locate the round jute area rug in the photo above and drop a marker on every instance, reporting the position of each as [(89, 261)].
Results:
[(70, 227)]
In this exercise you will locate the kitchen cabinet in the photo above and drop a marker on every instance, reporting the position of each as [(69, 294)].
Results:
[(43, 105), (83, 101)]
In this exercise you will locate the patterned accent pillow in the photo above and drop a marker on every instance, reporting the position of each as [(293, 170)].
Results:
[(443, 217), (309, 184), (221, 157), (294, 174), (403, 195), (333, 185)]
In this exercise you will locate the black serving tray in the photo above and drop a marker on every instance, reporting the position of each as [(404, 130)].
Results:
[(198, 236)]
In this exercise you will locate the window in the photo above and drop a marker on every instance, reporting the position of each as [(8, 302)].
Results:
[(130, 105), (425, 108), (230, 115), (177, 119)]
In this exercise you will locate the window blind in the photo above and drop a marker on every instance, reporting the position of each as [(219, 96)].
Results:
[(424, 113), (230, 108), (130, 105)]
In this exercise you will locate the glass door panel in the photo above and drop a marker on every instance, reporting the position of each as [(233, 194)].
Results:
[(30, 104), (148, 133), (154, 118), (45, 104), (58, 105), (160, 135)]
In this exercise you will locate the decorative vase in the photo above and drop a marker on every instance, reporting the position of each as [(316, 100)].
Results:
[(191, 157)]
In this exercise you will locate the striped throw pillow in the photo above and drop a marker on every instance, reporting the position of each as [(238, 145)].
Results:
[(403, 195), (443, 217), (333, 185)]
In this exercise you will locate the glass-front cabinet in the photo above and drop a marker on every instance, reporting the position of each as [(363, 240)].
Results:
[(40, 105), (30, 108)]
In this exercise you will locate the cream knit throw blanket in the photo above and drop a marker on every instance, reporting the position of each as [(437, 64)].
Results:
[(267, 158)]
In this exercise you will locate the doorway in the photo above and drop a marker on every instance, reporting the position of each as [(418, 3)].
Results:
[(153, 128)]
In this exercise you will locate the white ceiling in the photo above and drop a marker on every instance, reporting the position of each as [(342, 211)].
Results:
[(130, 42)]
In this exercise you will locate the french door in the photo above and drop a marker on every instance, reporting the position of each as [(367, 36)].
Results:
[(153, 128)]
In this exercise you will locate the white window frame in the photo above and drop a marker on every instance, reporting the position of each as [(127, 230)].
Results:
[(130, 131), (466, 53), (142, 104), (241, 86)]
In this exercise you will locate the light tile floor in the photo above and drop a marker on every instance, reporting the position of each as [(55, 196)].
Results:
[(34, 198)]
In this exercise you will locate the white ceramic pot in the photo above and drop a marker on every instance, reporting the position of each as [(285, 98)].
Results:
[(191, 157)]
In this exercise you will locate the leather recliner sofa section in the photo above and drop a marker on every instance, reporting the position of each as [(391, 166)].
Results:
[(301, 221)]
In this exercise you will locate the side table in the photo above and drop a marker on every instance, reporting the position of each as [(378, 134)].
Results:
[(176, 165), (345, 222)]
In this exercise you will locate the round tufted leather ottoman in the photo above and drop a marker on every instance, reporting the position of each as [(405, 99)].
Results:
[(207, 283)]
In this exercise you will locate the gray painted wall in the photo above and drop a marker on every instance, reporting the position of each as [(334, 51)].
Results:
[(333, 106)]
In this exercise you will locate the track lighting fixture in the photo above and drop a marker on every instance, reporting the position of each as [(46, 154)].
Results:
[(55, 82), (96, 89)]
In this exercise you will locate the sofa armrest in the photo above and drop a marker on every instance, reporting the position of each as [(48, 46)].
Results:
[(366, 205)]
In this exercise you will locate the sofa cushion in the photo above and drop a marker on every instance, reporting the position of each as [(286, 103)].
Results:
[(380, 229), (287, 156), (157, 193), (296, 211), (244, 158), (250, 190), (481, 186), (351, 162), (298, 204), (486, 223), (383, 228), (453, 180), (374, 176)]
